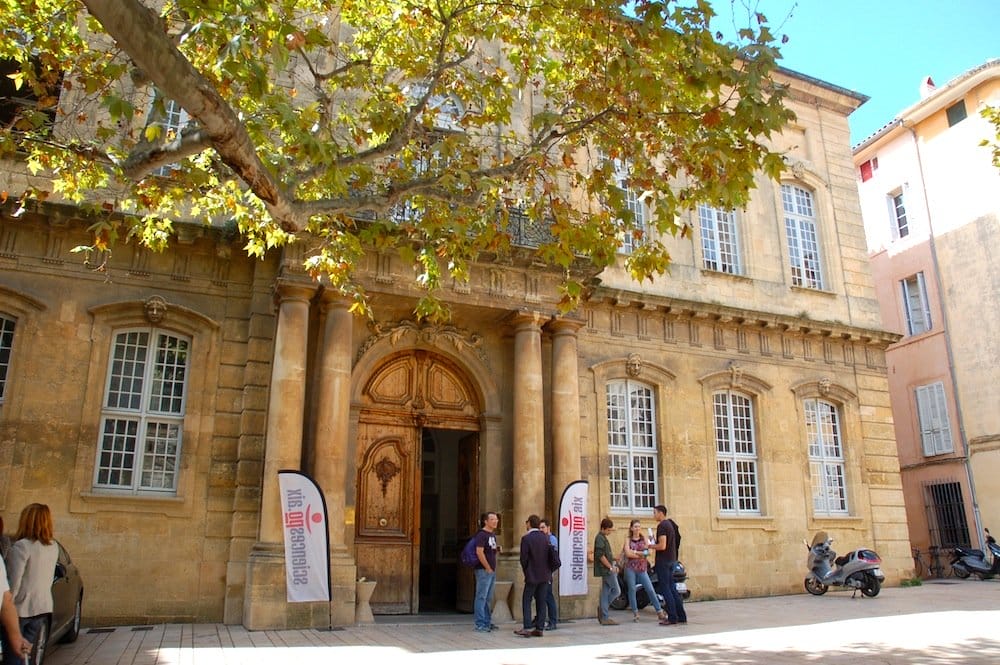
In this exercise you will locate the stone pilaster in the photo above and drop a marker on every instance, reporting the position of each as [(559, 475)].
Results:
[(330, 454), (265, 605)]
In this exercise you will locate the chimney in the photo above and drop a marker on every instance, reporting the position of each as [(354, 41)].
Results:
[(927, 87)]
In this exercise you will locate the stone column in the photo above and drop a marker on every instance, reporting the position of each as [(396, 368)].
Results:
[(565, 408), (330, 462), (265, 605), (529, 431)]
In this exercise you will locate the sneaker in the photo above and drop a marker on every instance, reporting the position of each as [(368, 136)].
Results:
[(550, 626), (480, 629), (493, 626), (608, 622)]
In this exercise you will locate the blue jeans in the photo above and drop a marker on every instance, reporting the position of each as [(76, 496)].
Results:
[(550, 604), (482, 606), (31, 627), (609, 591), (631, 577), (675, 604)]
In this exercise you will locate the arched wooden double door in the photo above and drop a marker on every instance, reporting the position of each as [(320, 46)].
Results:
[(410, 397)]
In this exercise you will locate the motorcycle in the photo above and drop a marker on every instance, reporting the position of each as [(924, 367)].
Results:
[(641, 597), (966, 561), (859, 570)]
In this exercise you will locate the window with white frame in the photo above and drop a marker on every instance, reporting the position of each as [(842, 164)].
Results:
[(826, 458), (915, 305), (143, 416), (736, 453), (6, 344), (932, 411), (632, 446), (803, 237), (719, 240), (631, 240), (175, 118), (899, 224)]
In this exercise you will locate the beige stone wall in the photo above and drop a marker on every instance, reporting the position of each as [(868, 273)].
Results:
[(142, 558)]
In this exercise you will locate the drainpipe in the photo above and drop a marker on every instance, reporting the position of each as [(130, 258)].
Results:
[(947, 341)]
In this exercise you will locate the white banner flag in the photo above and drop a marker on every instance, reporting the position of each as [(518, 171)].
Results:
[(573, 540), (307, 538)]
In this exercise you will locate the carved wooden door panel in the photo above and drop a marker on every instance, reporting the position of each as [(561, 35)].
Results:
[(388, 532), (468, 515)]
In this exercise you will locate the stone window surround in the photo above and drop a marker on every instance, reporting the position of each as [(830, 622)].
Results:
[(661, 380), (851, 440), (23, 309), (201, 390), (737, 379)]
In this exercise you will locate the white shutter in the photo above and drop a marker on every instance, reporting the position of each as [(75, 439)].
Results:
[(932, 411)]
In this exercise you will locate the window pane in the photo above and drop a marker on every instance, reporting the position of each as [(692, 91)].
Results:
[(6, 343), (128, 365), (116, 457), (169, 375)]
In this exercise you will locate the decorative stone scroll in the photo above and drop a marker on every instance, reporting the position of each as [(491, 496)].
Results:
[(431, 334)]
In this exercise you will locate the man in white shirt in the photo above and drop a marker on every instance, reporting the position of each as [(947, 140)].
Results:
[(8, 616)]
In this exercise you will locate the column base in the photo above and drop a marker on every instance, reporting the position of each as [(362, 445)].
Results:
[(265, 604)]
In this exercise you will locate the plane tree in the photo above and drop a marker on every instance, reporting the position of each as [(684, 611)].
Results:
[(423, 127)]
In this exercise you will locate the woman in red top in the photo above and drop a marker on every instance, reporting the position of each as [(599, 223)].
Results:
[(636, 549)]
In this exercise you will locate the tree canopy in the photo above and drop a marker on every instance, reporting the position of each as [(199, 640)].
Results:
[(415, 126)]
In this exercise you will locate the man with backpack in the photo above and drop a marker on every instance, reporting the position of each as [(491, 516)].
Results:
[(667, 540), (485, 571)]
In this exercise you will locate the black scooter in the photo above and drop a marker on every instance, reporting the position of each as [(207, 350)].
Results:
[(966, 561), (641, 598)]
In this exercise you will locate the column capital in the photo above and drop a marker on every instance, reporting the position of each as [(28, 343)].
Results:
[(523, 319), (288, 290), (332, 299), (565, 325)]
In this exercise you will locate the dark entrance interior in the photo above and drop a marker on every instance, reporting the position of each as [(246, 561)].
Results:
[(448, 462)]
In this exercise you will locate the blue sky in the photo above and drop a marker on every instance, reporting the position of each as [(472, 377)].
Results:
[(880, 48)]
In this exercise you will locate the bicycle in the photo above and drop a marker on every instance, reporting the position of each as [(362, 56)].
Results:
[(936, 568), (918, 563)]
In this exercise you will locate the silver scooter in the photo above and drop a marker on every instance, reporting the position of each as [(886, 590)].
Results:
[(966, 561), (859, 570)]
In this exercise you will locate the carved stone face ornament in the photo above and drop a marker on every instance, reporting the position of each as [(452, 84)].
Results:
[(633, 365), (156, 309)]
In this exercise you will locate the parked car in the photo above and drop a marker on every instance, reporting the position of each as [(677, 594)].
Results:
[(67, 603)]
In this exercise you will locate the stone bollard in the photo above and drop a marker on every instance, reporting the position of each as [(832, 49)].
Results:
[(501, 609), (363, 609)]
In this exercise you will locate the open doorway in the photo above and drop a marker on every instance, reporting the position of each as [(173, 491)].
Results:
[(449, 487)]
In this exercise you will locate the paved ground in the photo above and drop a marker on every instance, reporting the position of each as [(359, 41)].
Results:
[(946, 621)]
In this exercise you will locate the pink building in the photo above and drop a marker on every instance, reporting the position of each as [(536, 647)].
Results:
[(930, 198)]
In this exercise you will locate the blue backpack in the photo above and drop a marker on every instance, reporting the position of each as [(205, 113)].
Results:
[(468, 556)]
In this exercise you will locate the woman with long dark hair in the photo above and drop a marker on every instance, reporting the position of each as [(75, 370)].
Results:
[(636, 550)]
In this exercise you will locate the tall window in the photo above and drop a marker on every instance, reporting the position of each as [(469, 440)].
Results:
[(826, 458), (719, 242), (6, 343), (932, 411), (736, 453), (143, 415), (946, 514), (631, 240), (631, 445), (897, 210), (803, 240), (918, 311)]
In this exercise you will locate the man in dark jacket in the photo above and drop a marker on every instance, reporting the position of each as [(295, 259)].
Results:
[(535, 564)]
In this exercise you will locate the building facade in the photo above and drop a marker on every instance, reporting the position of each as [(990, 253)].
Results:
[(929, 199), (152, 402)]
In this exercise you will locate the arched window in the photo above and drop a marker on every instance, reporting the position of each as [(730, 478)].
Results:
[(632, 445), (826, 457), (736, 453), (803, 237), (142, 415)]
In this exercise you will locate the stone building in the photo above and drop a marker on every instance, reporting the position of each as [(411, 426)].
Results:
[(747, 391), (932, 218)]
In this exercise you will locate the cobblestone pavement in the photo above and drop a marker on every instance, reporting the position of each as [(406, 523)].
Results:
[(947, 621)]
